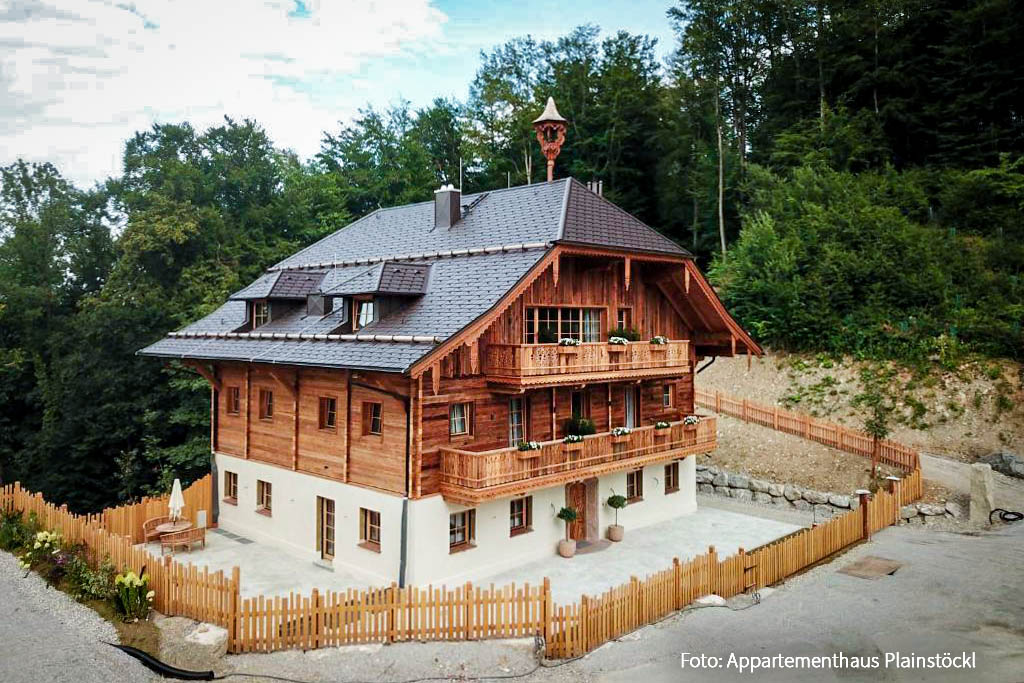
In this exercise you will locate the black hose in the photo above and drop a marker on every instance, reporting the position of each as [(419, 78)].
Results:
[(165, 670), (1006, 515), (705, 366)]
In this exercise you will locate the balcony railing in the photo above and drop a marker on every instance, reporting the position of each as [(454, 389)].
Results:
[(473, 476), (522, 362)]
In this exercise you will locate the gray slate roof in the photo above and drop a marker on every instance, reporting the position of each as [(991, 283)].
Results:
[(447, 292)]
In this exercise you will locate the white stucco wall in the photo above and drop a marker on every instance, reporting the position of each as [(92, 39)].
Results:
[(293, 524)]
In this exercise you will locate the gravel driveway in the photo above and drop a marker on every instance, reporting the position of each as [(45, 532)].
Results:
[(47, 636)]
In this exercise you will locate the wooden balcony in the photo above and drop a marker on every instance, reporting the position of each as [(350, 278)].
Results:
[(470, 477), (545, 364)]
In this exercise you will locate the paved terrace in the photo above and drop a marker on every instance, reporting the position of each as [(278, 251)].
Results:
[(268, 570)]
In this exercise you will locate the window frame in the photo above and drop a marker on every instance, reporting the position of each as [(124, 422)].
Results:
[(525, 514), (266, 404), (667, 395), (327, 417), (233, 400), (635, 485), (260, 314), (358, 306), (230, 487), (373, 411), (369, 526), (584, 398), (523, 421), (672, 477), (467, 418), (624, 318), (468, 527), (584, 323), (264, 497)]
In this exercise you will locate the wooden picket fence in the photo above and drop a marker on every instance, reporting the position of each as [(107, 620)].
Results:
[(800, 424), (468, 612)]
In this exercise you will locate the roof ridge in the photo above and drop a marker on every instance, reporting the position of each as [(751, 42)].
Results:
[(451, 253), (302, 336)]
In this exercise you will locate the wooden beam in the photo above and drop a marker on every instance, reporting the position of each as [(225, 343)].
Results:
[(474, 357), (248, 407), (207, 373), (686, 280), (435, 377), (555, 265), (629, 274), (295, 434), (554, 415)]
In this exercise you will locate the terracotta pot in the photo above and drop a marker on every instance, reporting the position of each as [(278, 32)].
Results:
[(566, 548), (615, 532)]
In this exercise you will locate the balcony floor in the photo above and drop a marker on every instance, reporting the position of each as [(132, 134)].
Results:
[(651, 548)]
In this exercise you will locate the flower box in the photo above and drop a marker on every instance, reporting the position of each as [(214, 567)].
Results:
[(527, 455), (572, 446), (621, 434), (621, 438), (567, 350)]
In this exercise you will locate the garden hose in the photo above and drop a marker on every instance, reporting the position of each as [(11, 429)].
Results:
[(165, 670), (1006, 515)]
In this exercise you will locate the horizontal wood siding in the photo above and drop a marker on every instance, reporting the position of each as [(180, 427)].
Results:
[(377, 460), (231, 428), (271, 440), (322, 451)]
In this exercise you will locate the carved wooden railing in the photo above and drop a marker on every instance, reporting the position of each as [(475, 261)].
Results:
[(531, 360), (597, 453)]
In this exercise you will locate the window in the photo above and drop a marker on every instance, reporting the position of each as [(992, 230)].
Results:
[(373, 422), (578, 402), (264, 497), (672, 477), (369, 529), (234, 401), (461, 530), (460, 419), (328, 413), (266, 404), (520, 515), (230, 487), (364, 313), (325, 528), (666, 396), (260, 313), (625, 319), (635, 485), (516, 422), (548, 325)]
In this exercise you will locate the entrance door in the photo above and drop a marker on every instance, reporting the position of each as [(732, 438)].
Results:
[(325, 527), (576, 497)]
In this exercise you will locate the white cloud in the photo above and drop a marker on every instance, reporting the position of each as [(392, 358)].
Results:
[(77, 78)]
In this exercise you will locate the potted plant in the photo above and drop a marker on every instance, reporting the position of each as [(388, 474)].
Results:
[(568, 345), (580, 425), (528, 449), (572, 443), (567, 546), (690, 422), (659, 340), (627, 333), (621, 434), (615, 531), (661, 430)]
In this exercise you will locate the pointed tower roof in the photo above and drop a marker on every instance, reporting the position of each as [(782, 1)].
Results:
[(550, 113)]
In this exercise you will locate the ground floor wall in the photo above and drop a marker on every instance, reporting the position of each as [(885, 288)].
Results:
[(293, 522)]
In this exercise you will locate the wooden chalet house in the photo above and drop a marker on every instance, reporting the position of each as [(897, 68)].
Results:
[(371, 393)]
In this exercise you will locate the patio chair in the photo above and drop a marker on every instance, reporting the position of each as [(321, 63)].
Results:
[(149, 532), (182, 539)]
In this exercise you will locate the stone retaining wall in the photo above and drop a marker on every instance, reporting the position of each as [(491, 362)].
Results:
[(823, 505)]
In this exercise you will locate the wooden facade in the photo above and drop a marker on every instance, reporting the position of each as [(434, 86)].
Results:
[(393, 432)]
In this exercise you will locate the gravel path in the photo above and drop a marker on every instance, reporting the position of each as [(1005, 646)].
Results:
[(47, 636)]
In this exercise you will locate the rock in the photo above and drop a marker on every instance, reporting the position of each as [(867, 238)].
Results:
[(703, 477), (839, 501), (822, 511), (854, 502), (759, 485), (815, 497), (722, 490), (953, 509), (700, 468), (781, 501), (761, 497), (187, 644), (739, 481), (982, 492), (792, 493), (1006, 462), (712, 470), (907, 511), (710, 601), (741, 494), (801, 504), (721, 479), (775, 489), (931, 510), (706, 488)]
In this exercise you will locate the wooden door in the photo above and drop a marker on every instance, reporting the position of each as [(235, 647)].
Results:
[(325, 527), (576, 497)]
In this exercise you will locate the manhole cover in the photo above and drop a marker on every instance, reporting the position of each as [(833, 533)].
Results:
[(871, 567)]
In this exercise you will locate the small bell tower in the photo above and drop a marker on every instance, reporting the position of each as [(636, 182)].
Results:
[(550, 127)]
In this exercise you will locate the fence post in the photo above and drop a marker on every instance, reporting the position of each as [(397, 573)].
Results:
[(236, 584), (775, 418), (584, 624), (467, 620), (677, 585), (545, 612), (718, 401), (315, 601), (392, 609), (864, 496), (745, 409), (712, 570)]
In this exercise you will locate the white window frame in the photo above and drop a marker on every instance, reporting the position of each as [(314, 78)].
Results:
[(517, 432)]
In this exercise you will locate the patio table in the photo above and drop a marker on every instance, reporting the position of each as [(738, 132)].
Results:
[(171, 527)]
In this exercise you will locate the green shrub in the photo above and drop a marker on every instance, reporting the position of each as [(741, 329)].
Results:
[(580, 426), (14, 534), (86, 583), (630, 333), (133, 599)]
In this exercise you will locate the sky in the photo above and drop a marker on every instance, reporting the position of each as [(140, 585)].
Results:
[(79, 77)]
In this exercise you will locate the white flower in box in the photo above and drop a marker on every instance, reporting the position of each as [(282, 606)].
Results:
[(529, 446), (573, 438), (621, 431), (618, 341), (659, 340), (691, 420), (569, 341), (661, 424)]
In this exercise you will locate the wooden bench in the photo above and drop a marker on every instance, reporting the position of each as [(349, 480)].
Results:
[(149, 532), (182, 539)]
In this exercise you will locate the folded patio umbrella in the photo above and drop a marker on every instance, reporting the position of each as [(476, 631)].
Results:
[(177, 501)]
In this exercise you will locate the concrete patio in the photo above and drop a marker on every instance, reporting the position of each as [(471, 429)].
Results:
[(268, 570)]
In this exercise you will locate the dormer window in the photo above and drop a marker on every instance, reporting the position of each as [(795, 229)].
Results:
[(364, 312), (260, 313)]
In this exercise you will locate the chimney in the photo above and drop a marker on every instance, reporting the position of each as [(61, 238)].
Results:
[(447, 206)]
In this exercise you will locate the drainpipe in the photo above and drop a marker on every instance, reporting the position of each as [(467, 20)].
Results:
[(404, 551), (706, 365)]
